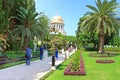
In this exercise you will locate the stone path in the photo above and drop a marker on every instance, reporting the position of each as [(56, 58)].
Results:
[(35, 71)]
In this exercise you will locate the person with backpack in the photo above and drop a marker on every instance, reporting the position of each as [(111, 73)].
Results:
[(41, 52), (28, 55)]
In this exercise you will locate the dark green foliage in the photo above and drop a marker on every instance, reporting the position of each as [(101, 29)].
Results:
[(116, 41), (14, 45), (84, 37), (31, 45), (91, 49)]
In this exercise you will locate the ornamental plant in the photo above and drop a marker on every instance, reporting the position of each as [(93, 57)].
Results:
[(75, 62)]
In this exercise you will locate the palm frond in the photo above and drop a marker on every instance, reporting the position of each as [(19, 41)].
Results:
[(92, 8)]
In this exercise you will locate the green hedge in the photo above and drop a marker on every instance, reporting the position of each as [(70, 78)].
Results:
[(13, 54), (113, 49), (75, 62), (91, 49)]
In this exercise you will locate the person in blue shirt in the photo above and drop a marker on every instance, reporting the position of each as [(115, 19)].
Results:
[(28, 55), (56, 53), (41, 52)]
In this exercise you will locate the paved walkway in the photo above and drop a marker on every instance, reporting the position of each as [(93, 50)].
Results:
[(35, 71)]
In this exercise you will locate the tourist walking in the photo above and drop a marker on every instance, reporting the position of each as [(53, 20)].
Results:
[(56, 53), (67, 53), (41, 52), (62, 51), (28, 55), (45, 51)]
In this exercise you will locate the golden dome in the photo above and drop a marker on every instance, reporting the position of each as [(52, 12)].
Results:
[(57, 19)]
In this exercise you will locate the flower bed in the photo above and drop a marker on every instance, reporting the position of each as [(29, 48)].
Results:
[(80, 71), (105, 61)]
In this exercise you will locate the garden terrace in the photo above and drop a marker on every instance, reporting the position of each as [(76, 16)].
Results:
[(94, 71)]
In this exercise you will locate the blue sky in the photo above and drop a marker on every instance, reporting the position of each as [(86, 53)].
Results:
[(69, 10)]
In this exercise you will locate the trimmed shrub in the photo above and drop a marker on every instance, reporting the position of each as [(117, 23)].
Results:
[(91, 49), (76, 67), (75, 62), (113, 49)]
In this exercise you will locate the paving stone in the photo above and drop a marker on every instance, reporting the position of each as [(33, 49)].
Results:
[(35, 71)]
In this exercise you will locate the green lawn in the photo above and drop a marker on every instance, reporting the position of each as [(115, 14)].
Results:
[(94, 71)]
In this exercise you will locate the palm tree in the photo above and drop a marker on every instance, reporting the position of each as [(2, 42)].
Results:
[(102, 19), (28, 27)]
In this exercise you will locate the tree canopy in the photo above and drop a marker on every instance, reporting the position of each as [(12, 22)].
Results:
[(101, 19)]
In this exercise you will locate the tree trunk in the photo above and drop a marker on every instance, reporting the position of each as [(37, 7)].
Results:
[(101, 39), (26, 42), (101, 44)]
